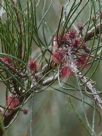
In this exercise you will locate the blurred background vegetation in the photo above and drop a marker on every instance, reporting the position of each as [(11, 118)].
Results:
[(57, 112)]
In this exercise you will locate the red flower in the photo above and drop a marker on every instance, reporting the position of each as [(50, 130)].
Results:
[(6, 60), (32, 65), (66, 37), (82, 61), (76, 43), (72, 34), (57, 57), (12, 102), (65, 72)]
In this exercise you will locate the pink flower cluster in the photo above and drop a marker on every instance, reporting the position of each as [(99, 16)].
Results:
[(61, 44), (13, 102), (32, 65), (6, 60)]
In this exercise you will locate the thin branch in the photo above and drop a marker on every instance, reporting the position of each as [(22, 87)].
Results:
[(83, 79), (50, 79), (11, 117)]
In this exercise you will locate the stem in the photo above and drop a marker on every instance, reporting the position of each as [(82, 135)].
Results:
[(11, 117), (50, 79), (83, 79)]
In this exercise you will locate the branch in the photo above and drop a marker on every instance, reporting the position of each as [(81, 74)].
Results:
[(50, 79), (83, 79), (8, 119)]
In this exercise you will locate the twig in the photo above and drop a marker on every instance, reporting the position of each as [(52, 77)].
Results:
[(8, 119), (50, 79), (83, 79)]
